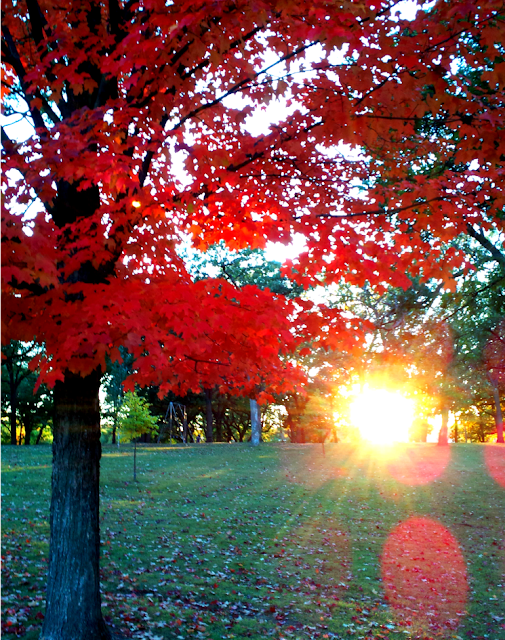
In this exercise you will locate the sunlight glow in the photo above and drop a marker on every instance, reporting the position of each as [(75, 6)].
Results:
[(382, 416)]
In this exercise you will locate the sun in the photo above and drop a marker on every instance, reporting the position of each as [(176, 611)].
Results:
[(382, 416)]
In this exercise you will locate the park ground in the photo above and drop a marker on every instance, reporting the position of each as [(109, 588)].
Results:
[(281, 541)]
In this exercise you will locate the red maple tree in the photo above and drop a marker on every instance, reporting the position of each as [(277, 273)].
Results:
[(118, 92)]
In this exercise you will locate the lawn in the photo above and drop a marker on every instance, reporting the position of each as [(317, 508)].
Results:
[(283, 541)]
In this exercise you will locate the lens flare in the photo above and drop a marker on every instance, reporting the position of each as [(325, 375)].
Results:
[(494, 455), (383, 417), (424, 575), (419, 464)]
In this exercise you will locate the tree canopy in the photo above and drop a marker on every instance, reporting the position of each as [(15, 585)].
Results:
[(387, 147)]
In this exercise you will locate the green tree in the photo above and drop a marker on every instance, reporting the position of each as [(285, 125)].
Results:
[(475, 312), (112, 382), (243, 267), (26, 408), (134, 420), (34, 410)]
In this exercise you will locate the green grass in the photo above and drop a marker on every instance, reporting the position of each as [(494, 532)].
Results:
[(227, 541)]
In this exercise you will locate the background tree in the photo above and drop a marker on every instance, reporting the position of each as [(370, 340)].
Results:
[(236, 417), (408, 347), (313, 415), (112, 383), (244, 267), (135, 419), (475, 311), (231, 417), (35, 410), (16, 376)]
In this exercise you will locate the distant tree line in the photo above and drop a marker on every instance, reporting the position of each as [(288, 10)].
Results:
[(443, 345)]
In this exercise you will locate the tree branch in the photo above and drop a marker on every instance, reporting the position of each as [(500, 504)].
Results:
[(376, 212), (8, 145), (37, 20), (11, 56), (487, 244), (474, 295), (237, 87)]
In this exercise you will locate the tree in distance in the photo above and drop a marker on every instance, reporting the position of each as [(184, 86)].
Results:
[(135, 419), (112, 383), (26, 404)]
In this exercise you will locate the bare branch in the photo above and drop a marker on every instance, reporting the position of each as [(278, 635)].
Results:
[(487, 244), (376, 212)]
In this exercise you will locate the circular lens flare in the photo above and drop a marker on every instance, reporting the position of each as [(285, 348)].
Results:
[(424, 575), (383, 417)]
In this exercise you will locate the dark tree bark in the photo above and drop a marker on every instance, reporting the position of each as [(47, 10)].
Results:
[(218, 415), (209, 427), (28, 433), (296, 432), (114, 429), (39, 435), (498, 416), (13, 418), (28, 420), (73, 607)]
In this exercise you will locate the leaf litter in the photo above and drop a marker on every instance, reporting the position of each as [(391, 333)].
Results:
[(226, 541)]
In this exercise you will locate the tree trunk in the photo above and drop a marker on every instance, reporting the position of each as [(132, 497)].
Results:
[(13, 419), (255, 422), (28, 434), (114, 429), (39, 435), (185, 426), (292, 430), (73, 607), (498, 416), (209, 428), (456, 431), (218, 420), (443, 433)]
